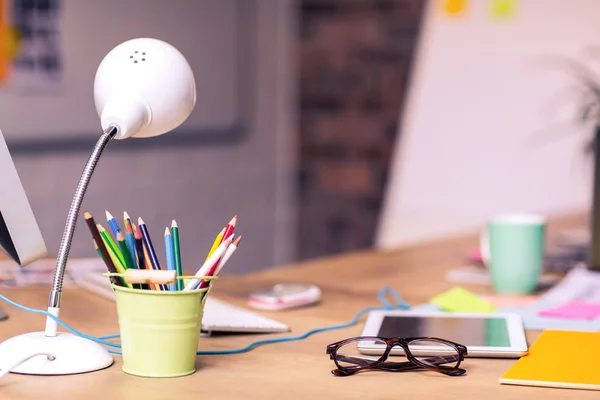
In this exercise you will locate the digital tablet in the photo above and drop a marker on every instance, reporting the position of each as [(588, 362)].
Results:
[(484, 334)]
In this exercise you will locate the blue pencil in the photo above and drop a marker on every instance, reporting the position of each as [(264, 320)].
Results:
[(130, 239), (149, 248), (170, 255), (114, 227)]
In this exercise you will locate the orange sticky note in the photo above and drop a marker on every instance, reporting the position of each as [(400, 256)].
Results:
[(454, 7)]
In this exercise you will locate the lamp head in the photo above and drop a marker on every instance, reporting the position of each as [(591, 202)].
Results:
[(144, 86)]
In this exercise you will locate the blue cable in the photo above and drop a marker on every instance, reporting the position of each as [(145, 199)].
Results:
[(381, 295), (58, 321)]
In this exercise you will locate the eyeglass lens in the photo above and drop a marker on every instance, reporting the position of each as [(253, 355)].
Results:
[(349, 356), (434, 354)]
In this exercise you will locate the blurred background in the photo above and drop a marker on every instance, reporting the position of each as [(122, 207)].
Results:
[(327, 125)]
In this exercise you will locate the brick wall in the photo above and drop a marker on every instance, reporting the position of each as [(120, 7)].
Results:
[(354, 63)]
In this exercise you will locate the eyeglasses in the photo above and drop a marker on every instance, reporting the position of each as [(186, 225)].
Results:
[(434, 354)]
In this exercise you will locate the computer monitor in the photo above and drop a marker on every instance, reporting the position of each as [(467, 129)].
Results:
[(20, 236)]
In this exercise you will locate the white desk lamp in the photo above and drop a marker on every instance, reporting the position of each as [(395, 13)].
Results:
[(143, 87)]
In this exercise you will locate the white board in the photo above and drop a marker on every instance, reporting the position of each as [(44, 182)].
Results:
[(207, 32)]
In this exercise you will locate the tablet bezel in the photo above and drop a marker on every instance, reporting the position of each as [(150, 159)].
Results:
[(516, 331)]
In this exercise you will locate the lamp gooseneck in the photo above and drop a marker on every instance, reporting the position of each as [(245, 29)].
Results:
[(65, 244)]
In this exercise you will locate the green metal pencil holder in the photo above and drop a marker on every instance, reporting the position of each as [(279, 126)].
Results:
[(160, 330)]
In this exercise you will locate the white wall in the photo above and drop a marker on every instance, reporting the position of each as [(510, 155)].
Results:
[(486, 127)]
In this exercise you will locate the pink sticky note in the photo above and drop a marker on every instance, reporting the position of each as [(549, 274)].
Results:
[(573, 310)]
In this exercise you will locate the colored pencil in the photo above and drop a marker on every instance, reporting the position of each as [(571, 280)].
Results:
[(228, 232), (169, 255), (115, 259), (177, 253), (218, 265), (129, 263), (149, 247), (139, 251), (216, 243), (229, 228), (102, 249), (114, 227), (228, 253), (110, 243), (148, 262), (212, 260), (130, 239)]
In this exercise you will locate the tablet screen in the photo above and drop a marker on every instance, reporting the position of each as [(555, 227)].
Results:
[(490, 332)]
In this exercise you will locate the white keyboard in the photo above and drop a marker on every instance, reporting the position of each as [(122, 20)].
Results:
[(224, 317)]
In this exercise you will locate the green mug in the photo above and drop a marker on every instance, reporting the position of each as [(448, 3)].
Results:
[(159, 330), (512, 248)]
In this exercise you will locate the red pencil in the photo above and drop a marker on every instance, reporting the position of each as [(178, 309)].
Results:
[(229, 228), (228, 232)]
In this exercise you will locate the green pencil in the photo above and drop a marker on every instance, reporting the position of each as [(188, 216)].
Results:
[(111, 243), (125, 253), (176, 253)]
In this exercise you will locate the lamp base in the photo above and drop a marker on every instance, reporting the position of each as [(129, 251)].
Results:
[(73, 354)]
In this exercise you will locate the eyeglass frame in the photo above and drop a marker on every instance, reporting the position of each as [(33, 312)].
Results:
[(412, 364)]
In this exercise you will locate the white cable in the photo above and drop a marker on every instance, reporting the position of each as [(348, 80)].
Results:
[(5, 371)]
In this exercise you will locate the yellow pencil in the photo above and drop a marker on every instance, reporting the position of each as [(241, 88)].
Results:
[(216, 243)]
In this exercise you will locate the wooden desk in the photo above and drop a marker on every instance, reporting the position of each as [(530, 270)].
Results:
[(283, 370)]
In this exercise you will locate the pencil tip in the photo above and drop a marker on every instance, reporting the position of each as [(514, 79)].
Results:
[(125, 215), (233, 220), (237, 240), (120, 236), (167, 231), (108, 215), (173, 224), (140, 221), (87, 215), (100, 228)]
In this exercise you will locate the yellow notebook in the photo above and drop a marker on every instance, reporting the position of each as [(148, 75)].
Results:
[(564, 359)]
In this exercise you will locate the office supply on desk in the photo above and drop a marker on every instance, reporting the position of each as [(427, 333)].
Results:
[(458, 299), (169, 256), (580, 284), (512, 248), (573, 310), (432, 354), (114, 227), (132, 98), (130, 239), (284, 296), (207, 267), (159, 329), (176, 252), (219, 316), (498, 335), (561, 359), (226, 237)]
